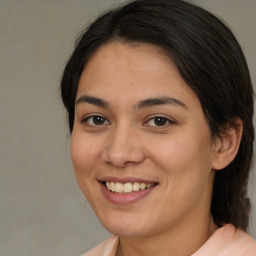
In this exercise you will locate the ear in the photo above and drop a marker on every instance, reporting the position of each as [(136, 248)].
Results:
[(227, 146)]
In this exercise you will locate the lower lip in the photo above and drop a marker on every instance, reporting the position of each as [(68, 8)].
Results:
[(125, 199)]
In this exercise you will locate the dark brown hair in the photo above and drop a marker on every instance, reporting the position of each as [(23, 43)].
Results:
[(209, 59)]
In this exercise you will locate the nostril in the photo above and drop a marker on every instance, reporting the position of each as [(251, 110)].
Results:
[(122, 149), (123, 157)]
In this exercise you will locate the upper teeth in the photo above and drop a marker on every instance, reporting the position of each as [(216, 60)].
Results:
[(127, 187)]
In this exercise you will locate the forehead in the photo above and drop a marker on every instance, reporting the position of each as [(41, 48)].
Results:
[(134, 54), (133, 70)]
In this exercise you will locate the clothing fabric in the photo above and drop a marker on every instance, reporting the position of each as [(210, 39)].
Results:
[(226, 240)]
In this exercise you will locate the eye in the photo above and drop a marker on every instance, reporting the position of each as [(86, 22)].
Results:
[(95, 120), (159, 121)]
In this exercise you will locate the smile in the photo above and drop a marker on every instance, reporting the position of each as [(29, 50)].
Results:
[(128, 187), (125, 191)]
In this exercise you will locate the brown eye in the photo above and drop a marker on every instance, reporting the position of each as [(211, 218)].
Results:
[(160, 121), (96, 120)]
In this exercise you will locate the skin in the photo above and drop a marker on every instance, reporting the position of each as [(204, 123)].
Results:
[(180, 155)]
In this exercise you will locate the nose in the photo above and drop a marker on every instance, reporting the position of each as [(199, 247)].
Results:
[(123, 148)]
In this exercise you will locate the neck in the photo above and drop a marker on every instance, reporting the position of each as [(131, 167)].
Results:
[(179, 241)]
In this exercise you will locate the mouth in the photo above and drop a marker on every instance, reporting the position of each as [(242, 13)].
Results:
[(125, 191), (128, 187)]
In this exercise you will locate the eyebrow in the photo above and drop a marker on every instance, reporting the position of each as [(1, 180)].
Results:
[(93, 100), (160, 101), (141, 104)]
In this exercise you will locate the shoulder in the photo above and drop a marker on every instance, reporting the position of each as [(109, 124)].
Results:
[(228, 241), (106, 248)]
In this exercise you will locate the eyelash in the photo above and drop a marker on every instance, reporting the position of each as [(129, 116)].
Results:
[(165, 122), (93, 117)]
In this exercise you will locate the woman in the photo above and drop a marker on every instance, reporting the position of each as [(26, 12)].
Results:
[(160, 106)]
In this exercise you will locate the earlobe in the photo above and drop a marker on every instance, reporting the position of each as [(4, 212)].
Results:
[(227, 146)]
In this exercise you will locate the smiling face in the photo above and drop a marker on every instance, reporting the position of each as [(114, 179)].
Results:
[(140, 131)]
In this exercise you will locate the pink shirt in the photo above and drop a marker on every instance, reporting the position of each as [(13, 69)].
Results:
[(226, 241)]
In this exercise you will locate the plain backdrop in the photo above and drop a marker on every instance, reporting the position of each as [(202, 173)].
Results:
[(42, 211)]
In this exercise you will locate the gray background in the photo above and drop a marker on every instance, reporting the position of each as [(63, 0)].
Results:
[(42, 211)]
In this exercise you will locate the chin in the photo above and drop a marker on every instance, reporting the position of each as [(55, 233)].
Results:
[(125, 231), (124, 225)]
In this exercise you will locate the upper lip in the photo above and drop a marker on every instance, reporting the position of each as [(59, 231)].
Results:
[(125, 180)]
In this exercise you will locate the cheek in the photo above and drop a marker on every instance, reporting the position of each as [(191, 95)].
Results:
[(186, 167), (192, 146), (83, 154), (185, 160), (173, 152), (84, 157)]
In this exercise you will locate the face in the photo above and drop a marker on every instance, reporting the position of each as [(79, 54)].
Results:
[(141, 147)]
